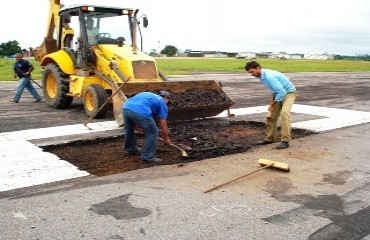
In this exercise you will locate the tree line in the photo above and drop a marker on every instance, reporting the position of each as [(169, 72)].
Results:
[(10, 48)]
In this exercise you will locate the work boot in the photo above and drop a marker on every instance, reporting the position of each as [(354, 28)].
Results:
[(263, 142), (282, 145), (136, 152), (153, 160)]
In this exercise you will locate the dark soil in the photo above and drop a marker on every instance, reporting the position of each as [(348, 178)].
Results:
[(201, 140), (197, 103)]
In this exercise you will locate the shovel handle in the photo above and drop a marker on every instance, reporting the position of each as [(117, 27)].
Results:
[(233, 180), (103, 105), (36, 83), (183, 153)]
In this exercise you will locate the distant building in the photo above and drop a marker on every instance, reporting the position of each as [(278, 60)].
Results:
[(196, 54), (214, 54), (279, 55), (182, 54), (296, 56), (253, 55), (323, 56), (246, 55)]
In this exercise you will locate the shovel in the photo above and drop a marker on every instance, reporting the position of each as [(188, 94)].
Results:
[(183, 153), (117, 99)]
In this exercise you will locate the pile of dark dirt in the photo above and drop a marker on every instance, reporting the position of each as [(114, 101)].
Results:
[(200, 139), (196, 103)]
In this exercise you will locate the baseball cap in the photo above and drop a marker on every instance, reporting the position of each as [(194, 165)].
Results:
[(167, 95)]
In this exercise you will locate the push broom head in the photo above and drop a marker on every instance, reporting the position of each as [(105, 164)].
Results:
[(274, 164)]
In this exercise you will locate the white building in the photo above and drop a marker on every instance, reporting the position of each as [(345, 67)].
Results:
[(323, 56), (246, 55)]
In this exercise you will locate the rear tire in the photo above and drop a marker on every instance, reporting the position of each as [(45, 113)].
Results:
[(94, 97), (56, 87)]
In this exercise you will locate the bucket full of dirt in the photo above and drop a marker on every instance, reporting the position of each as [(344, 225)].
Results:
[(191, 99)]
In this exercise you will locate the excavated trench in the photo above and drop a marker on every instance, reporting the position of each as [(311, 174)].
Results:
[(201, 139)]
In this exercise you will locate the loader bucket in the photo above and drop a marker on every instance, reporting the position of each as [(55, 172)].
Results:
[(191, 99)]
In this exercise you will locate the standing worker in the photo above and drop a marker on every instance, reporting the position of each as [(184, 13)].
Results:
[(284, 96), (139, 110), (23, 69)]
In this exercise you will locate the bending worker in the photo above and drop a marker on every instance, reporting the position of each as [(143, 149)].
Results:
[(140, 110), (284, 96)]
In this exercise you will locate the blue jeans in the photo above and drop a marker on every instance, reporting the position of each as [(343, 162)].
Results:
[(150, 129), (25, 82)]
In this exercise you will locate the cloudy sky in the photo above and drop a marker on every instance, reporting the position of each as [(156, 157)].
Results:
[(292, 26)]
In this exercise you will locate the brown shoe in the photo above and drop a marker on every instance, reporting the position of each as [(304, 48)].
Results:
[(12, 100), (282, 145)]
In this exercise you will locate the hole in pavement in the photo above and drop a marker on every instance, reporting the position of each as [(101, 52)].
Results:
[(201, 139)]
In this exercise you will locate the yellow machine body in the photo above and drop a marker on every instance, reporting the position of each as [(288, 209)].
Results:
[(92, 70)]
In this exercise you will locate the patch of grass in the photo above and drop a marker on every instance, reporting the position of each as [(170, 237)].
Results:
[(6, 69), (172, 66), (184, 66)]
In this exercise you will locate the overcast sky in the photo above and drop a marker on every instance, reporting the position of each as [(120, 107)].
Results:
[(292, 26)]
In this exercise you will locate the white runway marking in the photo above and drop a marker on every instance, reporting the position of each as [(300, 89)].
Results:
[(24, 164), (333, 118), (60, 131)]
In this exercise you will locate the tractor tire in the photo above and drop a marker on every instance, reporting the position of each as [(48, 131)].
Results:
[(94, 96), (55, 87)]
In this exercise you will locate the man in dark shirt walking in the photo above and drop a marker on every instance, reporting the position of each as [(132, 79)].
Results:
[(23, 69)]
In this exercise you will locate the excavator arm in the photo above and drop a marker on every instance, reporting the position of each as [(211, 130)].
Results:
[(53, 28)]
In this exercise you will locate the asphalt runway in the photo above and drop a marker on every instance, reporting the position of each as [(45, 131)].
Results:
[(324, 196)]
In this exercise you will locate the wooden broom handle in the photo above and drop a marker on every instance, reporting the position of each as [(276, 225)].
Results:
[(233, 180)]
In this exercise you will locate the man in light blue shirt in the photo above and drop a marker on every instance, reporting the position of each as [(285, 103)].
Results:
[(140, 110), (284, 96)]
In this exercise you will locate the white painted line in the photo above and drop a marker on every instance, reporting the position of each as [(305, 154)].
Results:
[(333, 117), (24, 164), (40, 133), (244, 111)]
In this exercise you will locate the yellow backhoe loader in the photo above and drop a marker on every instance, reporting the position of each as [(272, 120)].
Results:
[(90, 51)]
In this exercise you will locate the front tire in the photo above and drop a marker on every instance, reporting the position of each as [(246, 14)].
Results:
[(56, 87), (94, 97)]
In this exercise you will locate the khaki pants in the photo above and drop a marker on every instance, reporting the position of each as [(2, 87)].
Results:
[(281, 109)]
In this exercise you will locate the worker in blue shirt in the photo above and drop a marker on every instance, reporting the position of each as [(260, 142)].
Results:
[(284, 96), (140, 110)]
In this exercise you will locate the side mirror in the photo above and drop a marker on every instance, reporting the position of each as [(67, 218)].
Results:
[(145, 22)]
